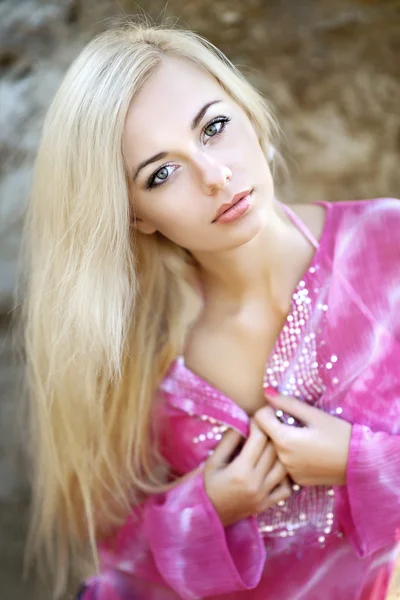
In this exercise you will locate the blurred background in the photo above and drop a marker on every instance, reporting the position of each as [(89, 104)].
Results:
[(331, 69)]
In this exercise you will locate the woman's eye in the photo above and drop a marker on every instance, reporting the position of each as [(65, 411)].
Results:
[(213, 129), (216, 127), (160, 176)]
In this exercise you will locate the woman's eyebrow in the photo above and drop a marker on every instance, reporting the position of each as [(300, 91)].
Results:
[(148, 161), (202, 112), (193, 126)]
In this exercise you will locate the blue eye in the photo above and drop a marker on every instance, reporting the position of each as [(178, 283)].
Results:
[(216, 127), (160, 176)]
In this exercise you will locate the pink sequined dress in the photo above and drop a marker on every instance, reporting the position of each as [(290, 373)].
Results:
[(340, 351)]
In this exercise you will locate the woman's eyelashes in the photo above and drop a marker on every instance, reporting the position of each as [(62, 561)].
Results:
[(162, 175), (213, 129)]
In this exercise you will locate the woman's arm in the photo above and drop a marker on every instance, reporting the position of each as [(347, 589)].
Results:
[(176, 541), (331, 451), (198, 538), (373, 489)]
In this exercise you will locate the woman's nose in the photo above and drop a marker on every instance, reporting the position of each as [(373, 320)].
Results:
[(214, 175)]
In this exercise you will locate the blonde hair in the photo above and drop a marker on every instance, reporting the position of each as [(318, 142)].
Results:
[(103, 310)]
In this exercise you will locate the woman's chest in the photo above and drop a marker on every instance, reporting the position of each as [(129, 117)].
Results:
[(194, 421), (314, 361), (194, 412), (327, 355), (232, 355)]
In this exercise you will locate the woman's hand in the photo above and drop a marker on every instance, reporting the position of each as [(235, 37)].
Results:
[(251, 483), (316, 454)]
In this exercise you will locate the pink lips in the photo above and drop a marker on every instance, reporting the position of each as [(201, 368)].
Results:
[(227, 213)]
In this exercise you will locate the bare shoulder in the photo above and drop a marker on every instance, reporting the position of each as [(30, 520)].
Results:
[(312, 215)]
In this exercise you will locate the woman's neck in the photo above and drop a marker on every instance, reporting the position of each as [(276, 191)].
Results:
[(266, 268)]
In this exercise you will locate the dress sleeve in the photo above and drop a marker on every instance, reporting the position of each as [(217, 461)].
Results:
[(367, 259), (176, 541), (373, 487)]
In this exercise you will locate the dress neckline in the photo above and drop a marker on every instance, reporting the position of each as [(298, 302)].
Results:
[(311, 269)]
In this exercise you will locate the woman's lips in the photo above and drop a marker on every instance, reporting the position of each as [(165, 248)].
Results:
[(236, 210)]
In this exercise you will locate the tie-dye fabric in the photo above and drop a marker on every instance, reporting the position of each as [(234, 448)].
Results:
[(340, 351)]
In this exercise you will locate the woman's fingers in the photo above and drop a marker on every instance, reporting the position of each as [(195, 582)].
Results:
[(302, 411), (268, 423), (280, 494), (275, 477), (226, 447), (253, 447), (266, 461)]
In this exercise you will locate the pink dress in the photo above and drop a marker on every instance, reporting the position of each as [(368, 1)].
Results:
[(340, 351)]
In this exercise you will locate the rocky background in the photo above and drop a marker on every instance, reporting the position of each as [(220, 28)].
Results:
[(331, 68)]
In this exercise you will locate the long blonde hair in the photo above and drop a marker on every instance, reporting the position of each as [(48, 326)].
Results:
[(103, 309)]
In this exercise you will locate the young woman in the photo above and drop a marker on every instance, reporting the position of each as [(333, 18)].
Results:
[(215, 382)]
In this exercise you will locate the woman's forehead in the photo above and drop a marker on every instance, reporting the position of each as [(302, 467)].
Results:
[(170, 99)]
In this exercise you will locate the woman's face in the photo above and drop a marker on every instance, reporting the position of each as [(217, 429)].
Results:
[(190, 149)]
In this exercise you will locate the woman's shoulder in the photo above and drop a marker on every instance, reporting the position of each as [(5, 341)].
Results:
[(313, 215), (356, 214), (363, 247), (323, 217), (348, 227), (360, 225)]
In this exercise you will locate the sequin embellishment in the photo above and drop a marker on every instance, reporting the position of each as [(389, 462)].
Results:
[(294, 369)]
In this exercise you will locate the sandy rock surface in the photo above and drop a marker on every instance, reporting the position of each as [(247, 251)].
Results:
[(331, 69)]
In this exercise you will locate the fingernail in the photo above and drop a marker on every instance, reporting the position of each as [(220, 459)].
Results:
[(270, 392)]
